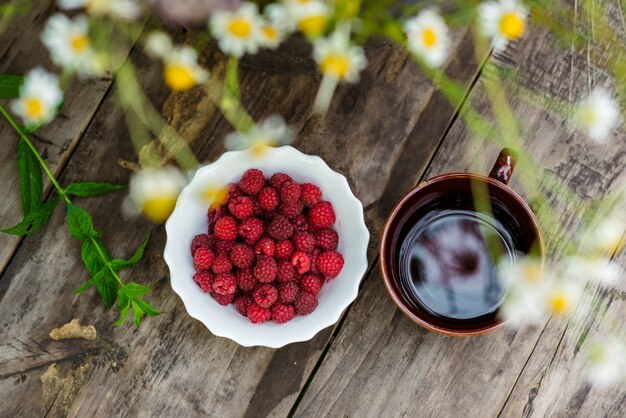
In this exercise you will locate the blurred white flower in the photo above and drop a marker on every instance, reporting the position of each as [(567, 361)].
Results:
[(608, 235), (40, 95), (562, 296), (311, 16), (238, 32), (525, 300), (607, 362), (271, 36), (337, 58), (154, 191), (159, 44), (502, 21), (598, 269), (182, 71), (428, 37), (272, 132), (122, 9), (598, 114)]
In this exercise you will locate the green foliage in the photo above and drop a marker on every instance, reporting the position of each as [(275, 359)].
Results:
[(35, 220), (10, 86), (79, 223), (123, 264), (90, 188), (31, 184), (130, 295)]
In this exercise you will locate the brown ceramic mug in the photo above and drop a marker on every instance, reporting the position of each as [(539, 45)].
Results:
[(437, 249)]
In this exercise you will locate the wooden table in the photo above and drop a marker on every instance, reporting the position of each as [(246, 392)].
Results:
[(385, 133)]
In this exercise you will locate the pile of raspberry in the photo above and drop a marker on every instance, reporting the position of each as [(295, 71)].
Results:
[(269, 249)]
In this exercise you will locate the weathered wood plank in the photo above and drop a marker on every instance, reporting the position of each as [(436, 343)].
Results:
[(381, 364)]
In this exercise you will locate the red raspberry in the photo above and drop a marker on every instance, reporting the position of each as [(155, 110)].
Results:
[(284, 250), (280, 228), (301, 262), (245, 279), (265, 246), (286, 272), (224, 247), (311, 194), (221, 264), (301, 223), (278, 179), (223, 299), (242, 303), (326, 238), (226, 228), (234, 191), (265, 270), (311, 283), (291, 210), (330, 263), (265, 295), (304, 241), (322, 214), (242, 256), (202, 240), (241, 207), (224, 284), (287, 292), (305, 303), (203, 259), (282, 313), (257, 210), (258, 314), (314, 255), (268, 198), (252, 181), (251, 229), (204, 280), (290, 192), (214, 215)]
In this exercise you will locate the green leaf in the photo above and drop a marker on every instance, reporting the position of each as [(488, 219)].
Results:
[(91, 258), (35, 220), (10, 86), (138, 313), (91, 188), (31, 183), (146, 307), (122, 264), (79, 223), (133, 290), (123, 315), (85, 286), (107, 286)]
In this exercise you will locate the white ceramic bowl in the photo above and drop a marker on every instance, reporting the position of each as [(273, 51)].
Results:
[(189, 219)]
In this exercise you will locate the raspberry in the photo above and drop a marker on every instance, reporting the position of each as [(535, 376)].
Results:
[(330, 263), (234, 191), (258, 314), (301, 223), (204, 280), (245, 279), (214, 215), (265, 295), (290, 192), (326, 238), (284, 250), (224, 247), (314, 255), (280, 228), (251, 229), (291, 210), (242, 303), (305, 303), (202, 240), (241, 207), (286, 272), (265, 270), (311, 283), (282, 313), (226, 228), (268, 198), (224, 284), (301, 262), (304, 241), (265, 246), (252, 181), (287, 292), (242, 256), (310, 194), (203, 259), (221, 264), (224, 299), (322, 214), (278, 179)]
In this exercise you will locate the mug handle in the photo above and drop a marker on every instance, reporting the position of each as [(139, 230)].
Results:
[(504, 166)]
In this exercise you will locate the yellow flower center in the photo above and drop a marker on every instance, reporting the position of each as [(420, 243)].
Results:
[(337, 66), (313, 25), (33, 107), (215, 196), (259, 148), (532, 272), (79, 43), (158, 209), (240, 27), (558, 304), (178, 77), (303, 1), (512, 25), (269, 32), (429, 37), (587, 116)]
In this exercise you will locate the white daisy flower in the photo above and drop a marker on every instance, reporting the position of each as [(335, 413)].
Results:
[(40, 95), (503, 21), (271, 35), (159, 44), (338, 59), (68, 42), (122, 9), (607, 363), (562, 296), (154, 191), (238, 32), (525, 298), (599, 269), (598, 115), (280, 16), (608, 235), (182, 71), (272, 132), (428, 37), (310, 16)]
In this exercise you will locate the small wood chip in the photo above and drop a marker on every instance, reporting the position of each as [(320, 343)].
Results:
[(74, 329)]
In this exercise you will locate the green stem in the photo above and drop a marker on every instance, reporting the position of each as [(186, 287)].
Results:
[(105, 260)]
